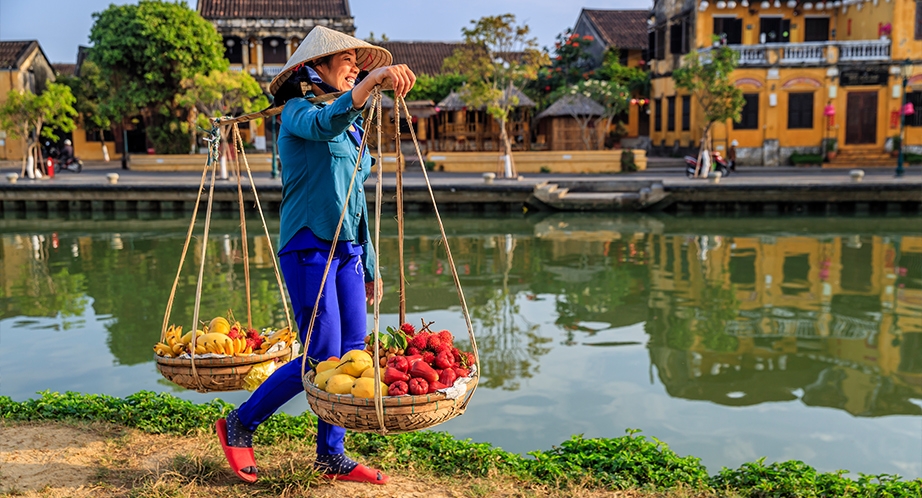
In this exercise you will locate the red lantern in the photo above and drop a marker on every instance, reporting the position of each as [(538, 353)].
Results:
[(830, 112)]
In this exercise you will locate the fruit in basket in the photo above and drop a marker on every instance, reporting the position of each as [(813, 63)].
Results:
[(370, 372), (422, 370), (399, 362), (216, 342), (187, 339), (163, 350), (320, 380), (392, 375), (219, 324), (325, 365), (418, 387), (399, 388), (364, 387), (340, 384), (355, 362)]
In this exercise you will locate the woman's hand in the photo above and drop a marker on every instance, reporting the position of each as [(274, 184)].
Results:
[(371, 295), (398, 77)]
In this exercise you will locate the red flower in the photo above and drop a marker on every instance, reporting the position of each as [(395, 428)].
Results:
[(588, 38), (575, 44)]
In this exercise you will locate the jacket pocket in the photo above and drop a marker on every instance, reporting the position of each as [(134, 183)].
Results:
[(341, 146)]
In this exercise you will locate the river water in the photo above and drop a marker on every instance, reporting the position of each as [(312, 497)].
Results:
[(729, 339)]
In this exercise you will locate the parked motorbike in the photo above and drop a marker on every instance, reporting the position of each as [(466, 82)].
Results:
[(54, 159), (718, 163)]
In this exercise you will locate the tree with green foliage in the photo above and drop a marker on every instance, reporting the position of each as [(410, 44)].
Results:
[(570, 64), (27, 116), (707, 77), (634, 79), (144, 52), (435, 88), (217, 94), (613, 97), (90, 91), (497, 57)]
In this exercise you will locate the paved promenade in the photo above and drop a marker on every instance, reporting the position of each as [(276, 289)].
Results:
[(785, 189)]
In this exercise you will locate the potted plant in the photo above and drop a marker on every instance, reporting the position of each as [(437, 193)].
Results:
[(897, 142), (831, 148)]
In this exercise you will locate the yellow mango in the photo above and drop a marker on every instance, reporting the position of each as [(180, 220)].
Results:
[(219, 325), (186, 339), (323, 366), (355, 362), (320, 380), (364, 387), (370, 372), (340, 383)]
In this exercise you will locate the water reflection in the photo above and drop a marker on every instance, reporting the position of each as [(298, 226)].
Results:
[(832, 320)]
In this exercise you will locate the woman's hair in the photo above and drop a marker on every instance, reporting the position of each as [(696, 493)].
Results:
[(321, 61)]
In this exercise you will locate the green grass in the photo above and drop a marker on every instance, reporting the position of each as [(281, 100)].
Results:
[(632, 461)]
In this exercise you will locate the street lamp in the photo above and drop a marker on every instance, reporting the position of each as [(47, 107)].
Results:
[(905, 72)]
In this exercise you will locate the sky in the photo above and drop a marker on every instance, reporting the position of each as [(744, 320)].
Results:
[(60, 26)]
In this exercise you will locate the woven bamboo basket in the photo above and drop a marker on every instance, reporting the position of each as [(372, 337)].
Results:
[(401, 413), (214, 374)]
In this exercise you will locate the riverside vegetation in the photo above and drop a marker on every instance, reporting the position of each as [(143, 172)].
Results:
[(578, 467)]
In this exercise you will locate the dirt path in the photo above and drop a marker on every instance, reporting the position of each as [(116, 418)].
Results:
[(76, 460)]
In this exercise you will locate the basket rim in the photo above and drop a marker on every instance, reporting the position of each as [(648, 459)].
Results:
[(222, 362), (391, 401)]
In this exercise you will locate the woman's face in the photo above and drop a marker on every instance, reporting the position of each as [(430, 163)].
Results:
[(340, 72)]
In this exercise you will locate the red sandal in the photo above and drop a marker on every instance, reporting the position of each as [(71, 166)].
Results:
[(360, 473), (238, 458)]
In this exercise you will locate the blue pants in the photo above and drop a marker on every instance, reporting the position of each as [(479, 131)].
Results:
[(340, 326)]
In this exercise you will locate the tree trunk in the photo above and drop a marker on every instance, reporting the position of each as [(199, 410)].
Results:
[(509, 169), (704, 146)]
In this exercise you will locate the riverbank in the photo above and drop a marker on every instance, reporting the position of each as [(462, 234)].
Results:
[(751, 190), (151, 444)]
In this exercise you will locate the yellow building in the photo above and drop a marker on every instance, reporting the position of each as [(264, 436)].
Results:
[(798, 58), (24, 68)]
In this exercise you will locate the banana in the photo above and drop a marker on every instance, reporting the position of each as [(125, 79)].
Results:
[(199, 349), (187, 339), (163, 350), (178, 348), (283, 334)]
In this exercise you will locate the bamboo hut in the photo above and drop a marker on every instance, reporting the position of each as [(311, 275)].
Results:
[(423, 114), (460, 128), (572, 122)]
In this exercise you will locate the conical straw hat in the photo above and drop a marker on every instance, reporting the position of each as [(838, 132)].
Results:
[(321, 42)]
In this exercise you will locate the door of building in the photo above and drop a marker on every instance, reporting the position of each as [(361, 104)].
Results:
[(861, 118), (774, 30)]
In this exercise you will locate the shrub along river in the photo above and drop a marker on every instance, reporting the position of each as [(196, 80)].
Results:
[(729, 339)]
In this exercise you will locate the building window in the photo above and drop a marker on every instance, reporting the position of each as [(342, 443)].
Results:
[(750, 115), (918, 19), (774, 30), (274, 51), (94, 136), (729, 29), (657, 114), (914, 119), (816, 29), (661, 43), (677, 38), (686, 112), (651, 43), (670, 113), (233, 49), (800, 111)]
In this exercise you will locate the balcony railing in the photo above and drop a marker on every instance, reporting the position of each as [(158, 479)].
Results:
[(808, 53), (272, 71)]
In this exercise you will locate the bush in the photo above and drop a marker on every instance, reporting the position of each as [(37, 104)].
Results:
[(627, 161), (798, 158), (912, 158)]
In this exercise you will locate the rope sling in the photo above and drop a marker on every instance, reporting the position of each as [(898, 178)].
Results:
[(227, 373), (381, 414)]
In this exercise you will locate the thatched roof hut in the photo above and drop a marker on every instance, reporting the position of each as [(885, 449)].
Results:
[(453, 101), (573, 105), (573, 122)]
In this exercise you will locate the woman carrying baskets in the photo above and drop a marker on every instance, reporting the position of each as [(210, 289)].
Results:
[(319, 145)]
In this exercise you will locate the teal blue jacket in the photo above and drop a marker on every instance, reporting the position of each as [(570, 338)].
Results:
[(318, 155)]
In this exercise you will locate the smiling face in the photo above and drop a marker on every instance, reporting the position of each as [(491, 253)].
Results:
[(339, 71)]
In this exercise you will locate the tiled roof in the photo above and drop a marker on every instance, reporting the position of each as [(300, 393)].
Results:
[(573, 105), (64, 69), (12, 52), (621, 28), (422, 57), (273, 9)]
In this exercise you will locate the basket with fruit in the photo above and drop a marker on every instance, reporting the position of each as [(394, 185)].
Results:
[(423, 380), (403, 381), (220, 355), (223, 355)]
